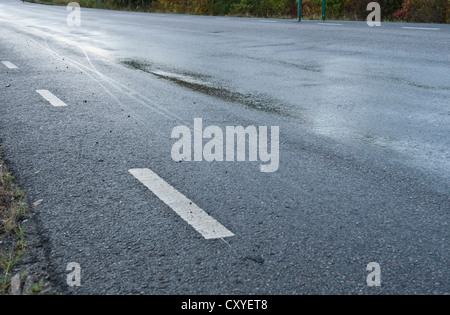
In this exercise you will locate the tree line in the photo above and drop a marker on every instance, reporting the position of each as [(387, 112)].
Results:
[(426, 11)]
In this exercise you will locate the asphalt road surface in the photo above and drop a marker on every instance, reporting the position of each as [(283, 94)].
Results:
[(87, 113)]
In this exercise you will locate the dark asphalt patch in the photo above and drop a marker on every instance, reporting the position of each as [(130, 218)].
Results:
[(257, 102)]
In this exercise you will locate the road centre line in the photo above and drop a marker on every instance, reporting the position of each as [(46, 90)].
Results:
[(185, 208), (9, 65), (47, 95), (422, 28), (332, 24)]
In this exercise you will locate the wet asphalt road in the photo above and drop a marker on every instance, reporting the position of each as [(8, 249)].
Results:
[(364, 169)]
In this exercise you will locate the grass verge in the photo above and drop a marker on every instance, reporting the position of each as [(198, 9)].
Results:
[(13, 246), (83, 3), (13, 210)]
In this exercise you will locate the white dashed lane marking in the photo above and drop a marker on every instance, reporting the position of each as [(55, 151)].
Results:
[(52, 99), (330, 24), (9, 65), (422, 28), (185, 208)]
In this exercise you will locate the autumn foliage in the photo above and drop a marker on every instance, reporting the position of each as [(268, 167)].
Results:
[(427, 11), (431, 11)]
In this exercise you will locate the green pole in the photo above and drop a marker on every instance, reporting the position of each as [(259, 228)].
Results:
[(324, 5), (299, 10)]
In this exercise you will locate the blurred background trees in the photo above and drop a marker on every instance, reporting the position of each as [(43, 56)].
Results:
[(431, 11), (427, 11)]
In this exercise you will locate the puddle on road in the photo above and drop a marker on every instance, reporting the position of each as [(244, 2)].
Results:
[(202, 83)]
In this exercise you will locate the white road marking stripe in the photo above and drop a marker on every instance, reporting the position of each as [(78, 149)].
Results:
[(9, 64), (185, 208), (264, 21), (51, 98), (422, 28), (332, 24)]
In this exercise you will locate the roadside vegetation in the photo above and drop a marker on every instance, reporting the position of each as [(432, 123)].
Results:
[(13, 245), (13, 210), (422, 11)]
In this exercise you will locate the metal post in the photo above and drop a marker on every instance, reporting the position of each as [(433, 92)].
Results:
[(324, 5), (299, 10), (447, 12), (99, 4)]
